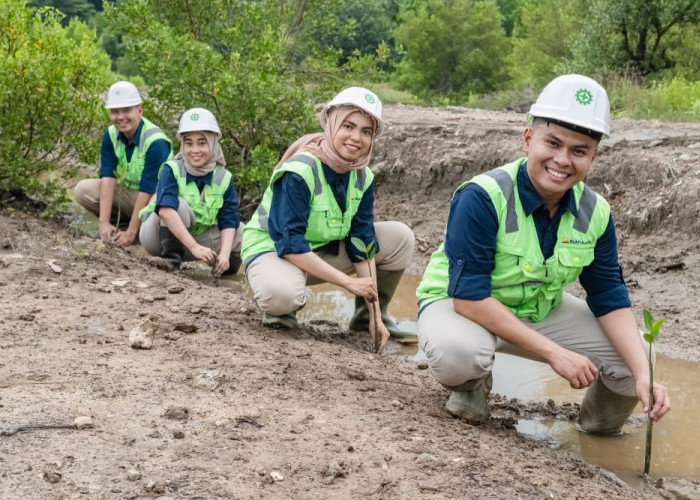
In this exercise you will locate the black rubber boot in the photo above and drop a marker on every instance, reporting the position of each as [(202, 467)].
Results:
[(468, 401), (387, 282), (171, 253), (603, 411)]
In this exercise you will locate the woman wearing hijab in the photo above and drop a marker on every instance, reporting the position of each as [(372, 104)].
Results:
[(195, 214), (321, 196)]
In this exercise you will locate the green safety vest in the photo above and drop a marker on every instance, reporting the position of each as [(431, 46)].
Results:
[(128, 173), (326, 221), (205, 205), (522, 280)]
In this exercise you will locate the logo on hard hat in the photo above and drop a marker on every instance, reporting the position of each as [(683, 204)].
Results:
[(194, 117), (369, 98), (584, 96)]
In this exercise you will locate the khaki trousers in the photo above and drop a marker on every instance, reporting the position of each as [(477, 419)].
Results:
[(459, 350), (87, 194), (149, 234), (279, 287)]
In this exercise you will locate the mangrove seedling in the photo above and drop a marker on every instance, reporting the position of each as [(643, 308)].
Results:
[(650, 336), (366, 254)]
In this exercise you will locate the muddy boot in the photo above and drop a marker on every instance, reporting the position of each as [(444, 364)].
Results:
[(469, 400), (285, 321), (171, 253), (387, 281), (603, 411)]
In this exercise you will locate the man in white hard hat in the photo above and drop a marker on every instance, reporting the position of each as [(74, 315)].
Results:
[(515, 237), (133, 150)]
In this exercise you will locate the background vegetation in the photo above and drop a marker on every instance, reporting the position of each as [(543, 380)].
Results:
[(263, 65)]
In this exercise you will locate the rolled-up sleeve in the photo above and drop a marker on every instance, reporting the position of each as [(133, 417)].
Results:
[(289, 215), (362, 227), (470, 243), (602, 279)]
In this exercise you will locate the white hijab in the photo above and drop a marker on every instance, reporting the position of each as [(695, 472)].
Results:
[(216, 157)]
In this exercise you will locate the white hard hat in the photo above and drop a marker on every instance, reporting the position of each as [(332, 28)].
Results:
[(575, 100), (359, 97), (123, 95), (198, 120)]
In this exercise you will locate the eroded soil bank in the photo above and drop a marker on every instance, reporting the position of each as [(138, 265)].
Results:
[(221, 407)]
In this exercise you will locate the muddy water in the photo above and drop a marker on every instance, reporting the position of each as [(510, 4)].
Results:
[(676, 442)]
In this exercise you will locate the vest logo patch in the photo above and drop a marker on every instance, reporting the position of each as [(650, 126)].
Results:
[(566, 240)]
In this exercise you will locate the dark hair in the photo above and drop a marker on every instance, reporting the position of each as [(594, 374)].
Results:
[(596, 136)]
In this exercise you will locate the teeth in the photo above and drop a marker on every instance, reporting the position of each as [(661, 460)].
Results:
[(557, 174)]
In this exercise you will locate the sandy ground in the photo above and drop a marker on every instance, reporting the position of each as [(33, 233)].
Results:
[(221, 407)]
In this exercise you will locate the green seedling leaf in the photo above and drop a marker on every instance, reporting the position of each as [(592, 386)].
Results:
[(359, 245), (648, 321), (649, 338), (654, 330)]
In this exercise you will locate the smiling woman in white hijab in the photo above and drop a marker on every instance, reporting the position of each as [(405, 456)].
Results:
[(318, 204), (194, 215)]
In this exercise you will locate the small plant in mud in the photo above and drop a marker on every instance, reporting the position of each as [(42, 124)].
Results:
[(650, 336), (366, 255)]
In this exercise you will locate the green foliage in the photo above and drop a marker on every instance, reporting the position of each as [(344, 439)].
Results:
[(452, 48), (634, 35), (82, 9), (543, 40), (50, 111), (360, 26), (673, 100)]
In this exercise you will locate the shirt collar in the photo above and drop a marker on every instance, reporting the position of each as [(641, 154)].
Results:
[(531, 201), (134, 140)]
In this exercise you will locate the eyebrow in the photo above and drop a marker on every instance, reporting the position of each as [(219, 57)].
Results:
[(583, 145)]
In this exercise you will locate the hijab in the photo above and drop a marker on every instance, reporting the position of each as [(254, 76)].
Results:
[(321, 144), (216, 154)]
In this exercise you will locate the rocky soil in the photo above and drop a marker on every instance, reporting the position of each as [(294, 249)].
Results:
[(220, 407)]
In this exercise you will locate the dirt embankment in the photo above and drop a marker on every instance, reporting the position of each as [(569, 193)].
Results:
[(220, 407)]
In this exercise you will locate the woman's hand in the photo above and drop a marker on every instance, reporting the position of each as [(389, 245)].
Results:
[(200, 252), (222, 265), (362, 287)]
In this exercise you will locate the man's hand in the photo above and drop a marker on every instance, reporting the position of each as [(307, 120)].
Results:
[(106, 231), (577, 369), (125, 238), (662, 403)]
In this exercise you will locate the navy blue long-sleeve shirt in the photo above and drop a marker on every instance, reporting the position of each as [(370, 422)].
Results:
[(472, 227), (167, 194), (157, 154), (289, 214)]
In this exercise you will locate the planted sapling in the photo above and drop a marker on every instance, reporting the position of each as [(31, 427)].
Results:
[(366, 255), (650, 336)]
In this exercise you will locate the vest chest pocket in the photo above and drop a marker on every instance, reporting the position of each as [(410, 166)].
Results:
[(572, 260)]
